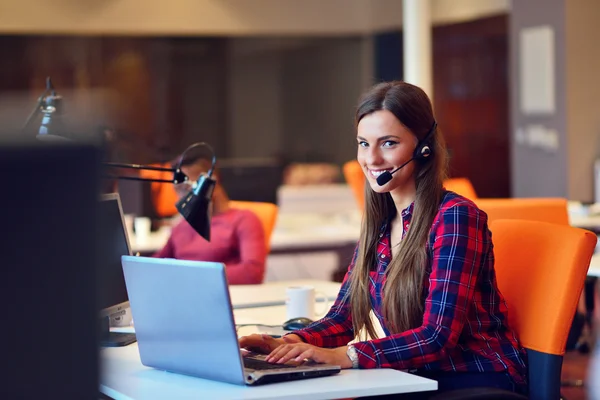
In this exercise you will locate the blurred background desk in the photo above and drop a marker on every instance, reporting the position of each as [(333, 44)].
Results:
[(303, 245), (585, 216), (273, 293), (311, 245), (595, 266)]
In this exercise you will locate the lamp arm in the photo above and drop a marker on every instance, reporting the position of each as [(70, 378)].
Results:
[(135, 178), (38, 106), (178, 176), (34, 112), (139, 167)]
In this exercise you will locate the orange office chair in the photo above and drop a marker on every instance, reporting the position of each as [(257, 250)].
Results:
[(355, 178), (540, 270), (266, 213), (462, 186), (552, 210), (164, 196)]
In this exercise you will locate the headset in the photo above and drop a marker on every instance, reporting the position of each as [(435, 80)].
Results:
[(423, 149), (422, 153)]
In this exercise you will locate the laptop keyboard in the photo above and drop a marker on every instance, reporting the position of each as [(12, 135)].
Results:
[(253, 363)]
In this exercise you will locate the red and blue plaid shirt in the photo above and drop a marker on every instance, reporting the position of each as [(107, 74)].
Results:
[(465, 316)]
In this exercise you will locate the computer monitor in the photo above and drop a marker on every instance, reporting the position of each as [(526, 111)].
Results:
[(251, 179), (112, 292), (48, 263)]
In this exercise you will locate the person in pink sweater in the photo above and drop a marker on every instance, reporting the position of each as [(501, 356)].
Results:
[(237, 236)]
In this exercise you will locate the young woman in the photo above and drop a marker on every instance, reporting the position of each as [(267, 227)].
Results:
[(424, 265)]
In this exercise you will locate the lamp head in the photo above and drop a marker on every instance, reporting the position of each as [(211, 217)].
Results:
[(195, 206), (52, 126)]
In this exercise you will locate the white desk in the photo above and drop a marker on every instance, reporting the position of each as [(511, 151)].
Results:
[(585, 221), (584, 216), (273, 293), (595, 266), (124, 377)]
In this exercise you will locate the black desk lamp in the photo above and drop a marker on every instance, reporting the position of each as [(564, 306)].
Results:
[(194, 206), (48, 104)]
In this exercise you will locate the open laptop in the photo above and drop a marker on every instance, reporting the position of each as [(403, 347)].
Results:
[(184, 323)]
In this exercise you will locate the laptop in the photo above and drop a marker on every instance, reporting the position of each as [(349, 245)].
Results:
[(184, 324)]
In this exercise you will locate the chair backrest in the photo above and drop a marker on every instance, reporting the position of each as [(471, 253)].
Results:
[(355, 177), (266, 213), (462, 186), (540, 269), (163, 196), (552, 210)]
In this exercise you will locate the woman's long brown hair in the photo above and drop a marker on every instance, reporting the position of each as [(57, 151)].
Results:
[(402, 292)]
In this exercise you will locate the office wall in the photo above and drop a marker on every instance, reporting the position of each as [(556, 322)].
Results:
[(455, 11), (295, 98), (197, 17), (538, 171), (470, 82), (553, 149), (224, 17), (255, 98), (321, 85), (582, 91)]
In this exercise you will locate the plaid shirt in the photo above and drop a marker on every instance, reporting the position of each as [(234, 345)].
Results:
[(465, 316)]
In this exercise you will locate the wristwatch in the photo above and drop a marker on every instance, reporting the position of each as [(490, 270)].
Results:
[(352, 355)]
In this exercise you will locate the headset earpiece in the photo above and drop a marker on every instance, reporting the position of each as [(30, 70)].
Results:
[(423, 151)]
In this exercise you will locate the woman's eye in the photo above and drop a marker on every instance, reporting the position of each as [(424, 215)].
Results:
[(362, 143), (389, 143)]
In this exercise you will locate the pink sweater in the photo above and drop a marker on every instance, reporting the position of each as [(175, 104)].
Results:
[(237, 240)]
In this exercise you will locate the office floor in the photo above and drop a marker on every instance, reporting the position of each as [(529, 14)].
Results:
[(575, 367), (575, 364)]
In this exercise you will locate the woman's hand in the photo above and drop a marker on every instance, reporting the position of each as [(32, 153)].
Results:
[(265, 344), (298, 351)]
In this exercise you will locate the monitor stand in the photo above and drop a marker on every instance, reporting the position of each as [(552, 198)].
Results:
[(114, 339)]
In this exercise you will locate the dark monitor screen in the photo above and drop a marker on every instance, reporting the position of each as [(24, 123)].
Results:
[(251, 179), (48, 263), (112, 292)]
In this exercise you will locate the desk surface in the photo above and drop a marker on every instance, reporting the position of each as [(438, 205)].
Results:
[(585, 221), (317, 236), (124, 377), (595, 266), (273, 293)]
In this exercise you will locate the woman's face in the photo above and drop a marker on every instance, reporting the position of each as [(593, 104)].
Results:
[(383, 145)]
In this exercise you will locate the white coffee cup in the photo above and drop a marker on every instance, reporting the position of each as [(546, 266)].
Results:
[(300, 302), (142, 227)]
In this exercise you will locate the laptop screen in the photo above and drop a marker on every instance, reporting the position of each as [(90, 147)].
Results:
[(113, 244)]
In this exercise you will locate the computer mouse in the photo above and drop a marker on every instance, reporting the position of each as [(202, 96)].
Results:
[(296, 323)]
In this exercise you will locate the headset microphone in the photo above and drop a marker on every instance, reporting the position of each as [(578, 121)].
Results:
[(422, 152), (386, 176)]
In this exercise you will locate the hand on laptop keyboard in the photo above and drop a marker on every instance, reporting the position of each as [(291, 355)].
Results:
[(254, 363), (265, 344)]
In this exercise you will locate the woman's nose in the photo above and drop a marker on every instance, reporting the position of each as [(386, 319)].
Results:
[(373, 156)]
